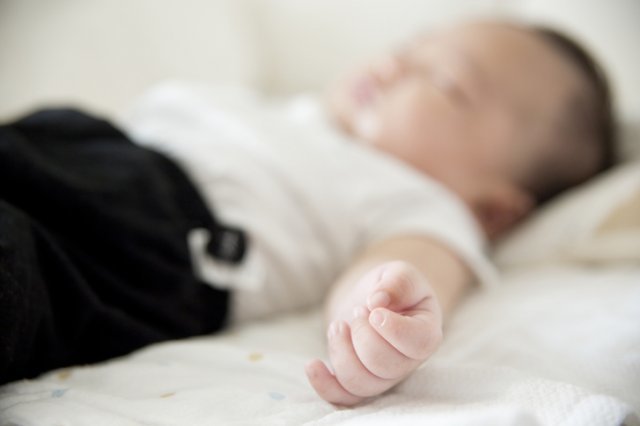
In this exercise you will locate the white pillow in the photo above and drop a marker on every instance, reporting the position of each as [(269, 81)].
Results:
[(597, 222)]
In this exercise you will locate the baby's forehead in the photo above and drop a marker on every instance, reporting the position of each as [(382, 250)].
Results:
[(514, 54), (496, 48), (483, 36)]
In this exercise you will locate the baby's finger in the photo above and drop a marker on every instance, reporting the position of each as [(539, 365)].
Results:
[(376, 354), (326, 385), (399, 287), (416, 335), (351, 374)]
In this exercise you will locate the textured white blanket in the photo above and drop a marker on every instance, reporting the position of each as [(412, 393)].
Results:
[(549, 347)]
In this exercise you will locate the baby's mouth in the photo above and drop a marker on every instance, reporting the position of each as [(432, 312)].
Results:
[(364, 91)]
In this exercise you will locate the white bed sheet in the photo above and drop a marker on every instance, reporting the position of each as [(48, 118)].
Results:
[(552, 346)]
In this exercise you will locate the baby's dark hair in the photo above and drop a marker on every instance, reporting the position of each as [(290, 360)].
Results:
[(588, 121)]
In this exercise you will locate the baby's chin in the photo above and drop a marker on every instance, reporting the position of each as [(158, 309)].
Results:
[(366, 126)]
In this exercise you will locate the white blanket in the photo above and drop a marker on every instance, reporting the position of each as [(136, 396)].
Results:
[(549, 347)]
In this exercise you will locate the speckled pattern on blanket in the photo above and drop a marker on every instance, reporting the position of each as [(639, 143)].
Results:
[(558, 360)]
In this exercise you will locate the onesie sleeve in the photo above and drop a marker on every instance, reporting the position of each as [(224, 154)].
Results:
[(396, 201)]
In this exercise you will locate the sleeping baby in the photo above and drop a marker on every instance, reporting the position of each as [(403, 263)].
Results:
[(385, 196), (382, 199), (502, 116)]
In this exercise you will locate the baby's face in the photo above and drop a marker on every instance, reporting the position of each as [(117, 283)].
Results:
[(464, 106)]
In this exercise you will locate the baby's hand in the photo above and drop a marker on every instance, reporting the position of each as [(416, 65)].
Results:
[(390, 335)]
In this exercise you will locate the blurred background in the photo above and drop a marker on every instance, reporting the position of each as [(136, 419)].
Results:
[(101, 54)]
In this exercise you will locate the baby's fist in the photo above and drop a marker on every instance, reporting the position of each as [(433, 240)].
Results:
[(392, 332)]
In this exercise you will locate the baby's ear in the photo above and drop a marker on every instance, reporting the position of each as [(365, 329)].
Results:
[(501, 208)]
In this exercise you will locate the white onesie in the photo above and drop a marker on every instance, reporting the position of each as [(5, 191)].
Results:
[(309, 197)]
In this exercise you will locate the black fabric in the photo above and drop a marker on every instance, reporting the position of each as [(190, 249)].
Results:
[(94, 260)]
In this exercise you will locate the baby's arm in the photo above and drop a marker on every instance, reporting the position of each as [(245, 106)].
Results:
[(385, 317)]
